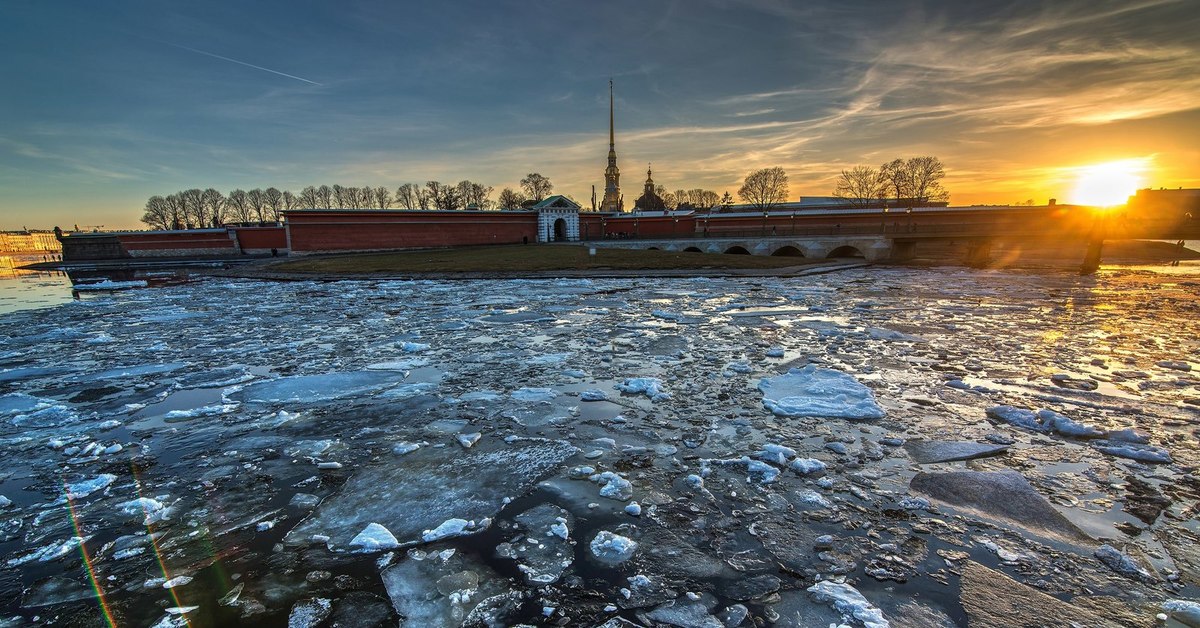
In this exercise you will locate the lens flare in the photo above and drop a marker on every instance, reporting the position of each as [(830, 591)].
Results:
[(1108, 184), (87, 559)]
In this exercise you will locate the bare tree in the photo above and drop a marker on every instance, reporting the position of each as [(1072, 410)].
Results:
[(177, 209), (726, 202), (705, 199), (510, 199), (442, 196), (860, 186), (309, 199), (474, 195), (290, 201), (765, 188), (193, 207), (273, 199), (925, 175), (158, 213), (257, 200), (214, 201), (339, 196), (536, 186), (239, 205), (325, 197), (406, 196), (383, 198), (896, 179)]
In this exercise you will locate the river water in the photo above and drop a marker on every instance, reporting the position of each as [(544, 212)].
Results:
[(213, 452)]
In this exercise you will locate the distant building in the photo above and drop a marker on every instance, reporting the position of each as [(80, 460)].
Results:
[(29, 242), (1174, 203), (649, 201)]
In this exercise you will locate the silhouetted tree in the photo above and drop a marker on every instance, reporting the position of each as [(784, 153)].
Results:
[(383, 197), (406, 196), (257, 199), (474, 194), (158, 213), (765, 188), (239, 205), (193, 207), (214, 201), (860, 186), (290, 201), (510, 200), (309, 198), (273, 199), (325, 197), (536, 186)]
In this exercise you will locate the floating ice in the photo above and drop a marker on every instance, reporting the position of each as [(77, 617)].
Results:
[(816, 392), (139, 371), (1133, 451), (83, 488), (373, 538), (1068, 426), (315, 388), (1121, 563), (649, 386), (1019, 417), (448, 528), (593, 395), (413, 347), (109, 284), (420, 491), (534, 395), (1184, 611), (807, 466), (612, 548), (468, 440), (776, 454), (309, 613), (846, 600), (50, 552), (615, 487)]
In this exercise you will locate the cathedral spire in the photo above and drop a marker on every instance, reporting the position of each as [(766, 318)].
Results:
[(612, 143), (612, 175)]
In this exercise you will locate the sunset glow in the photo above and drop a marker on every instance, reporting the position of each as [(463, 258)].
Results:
[(1107, 184)]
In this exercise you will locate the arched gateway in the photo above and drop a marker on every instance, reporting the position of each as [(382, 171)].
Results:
[(558, 219)]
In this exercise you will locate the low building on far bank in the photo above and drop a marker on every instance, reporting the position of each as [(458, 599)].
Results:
[(29, 242)]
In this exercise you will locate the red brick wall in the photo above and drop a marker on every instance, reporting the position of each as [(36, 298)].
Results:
[(351, 230), (210, 241), (261, 238)]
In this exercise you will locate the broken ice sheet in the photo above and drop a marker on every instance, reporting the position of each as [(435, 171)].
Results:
[(424, 489), (817, 392)]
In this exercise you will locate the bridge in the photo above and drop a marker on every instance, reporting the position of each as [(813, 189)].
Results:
[(889, 235)]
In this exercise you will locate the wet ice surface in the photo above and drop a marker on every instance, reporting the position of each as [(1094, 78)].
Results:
[(504, 452)]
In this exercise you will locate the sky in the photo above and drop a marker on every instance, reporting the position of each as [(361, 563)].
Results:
[(106, 103)]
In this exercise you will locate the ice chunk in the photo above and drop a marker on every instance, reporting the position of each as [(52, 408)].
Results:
[(373, 538), (468, 440), (309, 613), (108, 284), (442, 589), (612, 548), (615, 486), (649, 386), (421, 490), (846, 600), (50, 552), (534, 395), (449, 528), (593, 395), (776, 454), (83, 488), (816, 392), (1017, 416), (545, 552), (413, 347), (1068, 426), (807, 466), (1186, 612), (316, 388), (139, 371), (1134, 451)]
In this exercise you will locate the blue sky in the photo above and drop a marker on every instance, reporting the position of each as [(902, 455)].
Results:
[(107, 103)]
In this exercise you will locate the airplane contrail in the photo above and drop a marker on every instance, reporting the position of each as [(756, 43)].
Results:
[(249, 65)]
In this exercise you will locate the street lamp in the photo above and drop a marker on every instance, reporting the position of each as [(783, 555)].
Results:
[(675, 226), (635, 226), (793, 222), (766, 213), (908, 212), (883, 222), (603, 228)]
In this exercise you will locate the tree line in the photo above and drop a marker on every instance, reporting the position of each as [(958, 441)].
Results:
[(196, 208), (916, 180)]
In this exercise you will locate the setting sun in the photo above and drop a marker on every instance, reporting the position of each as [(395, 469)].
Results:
[(1107, 184)]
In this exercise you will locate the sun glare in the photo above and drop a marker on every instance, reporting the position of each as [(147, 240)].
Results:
[(1107, 184)]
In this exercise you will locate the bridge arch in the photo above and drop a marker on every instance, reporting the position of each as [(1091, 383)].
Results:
[(845, 251), (787, 250), (692, 249), (736, 250)]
